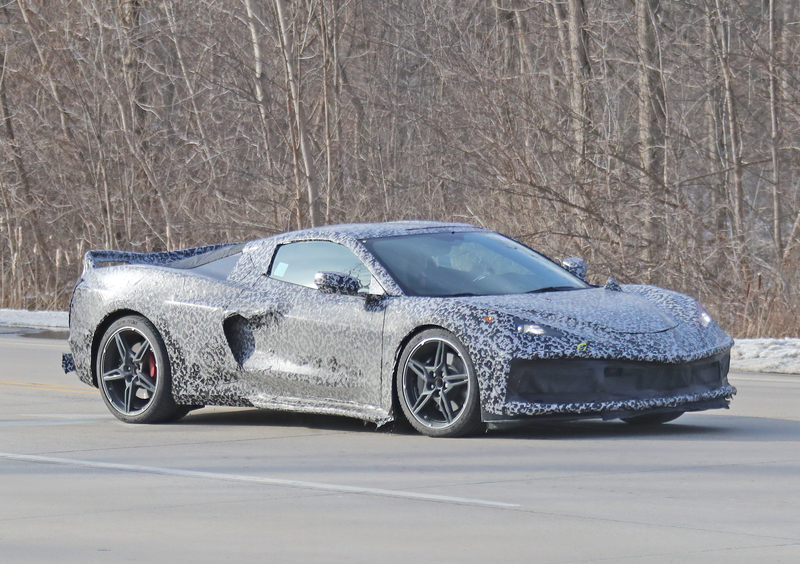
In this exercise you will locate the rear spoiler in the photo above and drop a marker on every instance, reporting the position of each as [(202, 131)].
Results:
[(93, 259)]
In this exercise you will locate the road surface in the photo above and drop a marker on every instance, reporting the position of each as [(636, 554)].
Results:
[(244, 485)]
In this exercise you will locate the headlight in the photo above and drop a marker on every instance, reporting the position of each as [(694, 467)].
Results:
[(531, 328), (703, 316), (537, 329)]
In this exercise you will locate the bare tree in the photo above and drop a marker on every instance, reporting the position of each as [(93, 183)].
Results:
[(652, 125), (581, 70), (659, 139), (291, 60)]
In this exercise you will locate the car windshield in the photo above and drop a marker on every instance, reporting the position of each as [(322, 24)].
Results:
[(468, 264)]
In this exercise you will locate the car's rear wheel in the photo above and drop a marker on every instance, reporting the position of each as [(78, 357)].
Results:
[(653, 418), (437, 387), (133, 373)]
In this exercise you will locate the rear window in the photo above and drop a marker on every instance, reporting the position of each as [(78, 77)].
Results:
[(219, 269)]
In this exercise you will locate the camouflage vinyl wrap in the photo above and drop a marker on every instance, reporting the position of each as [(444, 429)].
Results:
[(245, 339)]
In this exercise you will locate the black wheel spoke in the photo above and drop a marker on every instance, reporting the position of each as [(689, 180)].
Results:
[(453, 380), (419, 369), (422, 400), (121, 347), (129, 395), (445, 408), (439, 362), (144, 381), (114, 374), (143, 350)]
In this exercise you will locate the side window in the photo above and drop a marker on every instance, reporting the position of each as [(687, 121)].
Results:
[(299, 262)]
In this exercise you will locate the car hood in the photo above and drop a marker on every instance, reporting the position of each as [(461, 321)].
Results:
[(598, 308)]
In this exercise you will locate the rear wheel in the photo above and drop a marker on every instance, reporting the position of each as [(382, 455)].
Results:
[(437, 387), (653, 418), (133, 373)]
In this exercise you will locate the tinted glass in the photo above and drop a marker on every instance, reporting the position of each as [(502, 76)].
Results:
[(299, 262), (447, 264), (220, 268), (210, 256)]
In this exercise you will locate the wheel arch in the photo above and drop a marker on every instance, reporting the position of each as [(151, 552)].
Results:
[(100, 331), (395, 408), (469, 413)]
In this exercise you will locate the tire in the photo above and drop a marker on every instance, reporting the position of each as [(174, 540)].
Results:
[(437, 387), (133, 373), (653, 418)]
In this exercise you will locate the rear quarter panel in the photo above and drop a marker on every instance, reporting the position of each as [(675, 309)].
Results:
[(187, 310)]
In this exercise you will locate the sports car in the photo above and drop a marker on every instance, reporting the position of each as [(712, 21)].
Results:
[(447, 325)]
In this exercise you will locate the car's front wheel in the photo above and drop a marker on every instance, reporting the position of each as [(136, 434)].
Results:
[(133, 373), (437, 387)]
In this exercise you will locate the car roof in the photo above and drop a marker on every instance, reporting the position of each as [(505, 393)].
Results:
[(386, 229)]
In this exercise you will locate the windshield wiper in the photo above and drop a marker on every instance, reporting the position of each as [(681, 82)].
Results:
[(459, 295), (552, 289)]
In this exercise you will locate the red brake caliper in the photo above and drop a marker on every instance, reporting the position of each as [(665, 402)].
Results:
[(151, 359)]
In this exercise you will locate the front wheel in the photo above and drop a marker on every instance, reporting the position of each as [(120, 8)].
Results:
[(437, 387), (133, 373)]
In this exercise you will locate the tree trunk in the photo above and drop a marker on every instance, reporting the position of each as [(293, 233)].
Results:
[(293, 76), (25, 190), (715, 142), (775, 132), (652, 127), (258, 80), (327, 94), (721, 28), (581, 70)]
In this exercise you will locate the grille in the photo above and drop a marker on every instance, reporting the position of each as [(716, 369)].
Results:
[(582, 381)]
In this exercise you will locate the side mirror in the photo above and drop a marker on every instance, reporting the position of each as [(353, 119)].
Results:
[(576, 266), (337, 283)]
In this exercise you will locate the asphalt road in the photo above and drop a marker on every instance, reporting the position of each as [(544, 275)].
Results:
[(239, 485)]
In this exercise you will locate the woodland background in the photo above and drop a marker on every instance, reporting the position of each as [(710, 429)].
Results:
[(659, 140)]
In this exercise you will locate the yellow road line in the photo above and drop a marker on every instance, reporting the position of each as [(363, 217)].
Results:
[(51, 387)]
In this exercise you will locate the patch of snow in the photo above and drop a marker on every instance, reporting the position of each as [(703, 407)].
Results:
[(766, 355), (34, 319)]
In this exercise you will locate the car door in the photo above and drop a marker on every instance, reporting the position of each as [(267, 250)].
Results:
[(309, 345)]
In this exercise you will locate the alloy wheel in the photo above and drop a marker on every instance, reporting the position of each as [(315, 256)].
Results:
[(129, 371), (436, 383)]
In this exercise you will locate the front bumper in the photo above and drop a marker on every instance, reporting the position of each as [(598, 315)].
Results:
[(615, 388)]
